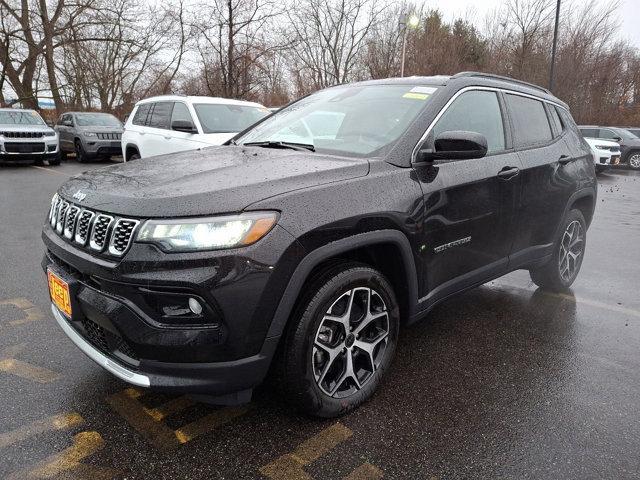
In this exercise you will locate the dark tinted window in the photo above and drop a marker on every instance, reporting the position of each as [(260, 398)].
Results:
[(530, 121), (180, 113), (608, 134), (161, 115), (589, 132), (140, 118), (476, 111)]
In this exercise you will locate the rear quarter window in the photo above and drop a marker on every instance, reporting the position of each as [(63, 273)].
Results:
[(161, 115), (140, 117), (530, 121)]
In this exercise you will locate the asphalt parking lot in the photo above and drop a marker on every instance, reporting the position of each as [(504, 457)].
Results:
[(505, 381)]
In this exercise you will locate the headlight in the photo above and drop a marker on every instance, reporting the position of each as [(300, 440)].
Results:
[(89, 134), (602, 147), (52, 133), (188, 235)]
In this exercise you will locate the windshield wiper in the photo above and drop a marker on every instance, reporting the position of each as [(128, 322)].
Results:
[(290, 145)]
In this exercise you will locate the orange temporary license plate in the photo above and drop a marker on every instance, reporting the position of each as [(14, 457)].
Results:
[(59, 291)]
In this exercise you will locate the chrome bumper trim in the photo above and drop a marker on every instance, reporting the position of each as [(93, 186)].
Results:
[(96, 355)]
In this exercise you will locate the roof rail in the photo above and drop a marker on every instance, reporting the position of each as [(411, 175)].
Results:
[(501, 77)]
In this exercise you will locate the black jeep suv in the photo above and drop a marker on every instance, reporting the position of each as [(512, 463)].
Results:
[(307, 241)]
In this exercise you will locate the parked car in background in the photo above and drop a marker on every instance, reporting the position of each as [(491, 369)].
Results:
[(629, 143), (89, 135), (174, 123), (634, 131), (25, 137), (605, 153), (203, 267)]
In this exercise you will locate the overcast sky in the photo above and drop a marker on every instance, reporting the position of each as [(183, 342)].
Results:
[(629, 12)]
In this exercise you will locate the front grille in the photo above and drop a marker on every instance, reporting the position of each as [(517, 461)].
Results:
[(109, 136), (6, 134), (98, 231), (70, 221), (24, 147)]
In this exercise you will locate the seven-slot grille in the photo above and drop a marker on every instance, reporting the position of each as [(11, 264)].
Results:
[(109, 136), (22, 134), (98, 231)]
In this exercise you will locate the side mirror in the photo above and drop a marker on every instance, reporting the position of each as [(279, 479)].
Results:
[(183, 126), (617, 139), (455, 145)]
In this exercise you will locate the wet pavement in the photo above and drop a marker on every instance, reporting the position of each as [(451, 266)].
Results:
[(503, 381)]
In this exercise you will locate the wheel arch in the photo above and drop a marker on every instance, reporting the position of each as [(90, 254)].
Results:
[(585, 201), (130, 149), (377, 249)]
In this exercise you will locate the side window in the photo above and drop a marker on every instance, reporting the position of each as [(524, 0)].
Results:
[(140, 118), (608, 134), (589, 132), (555, 120), (161, 115), (180, 113), (475, 111), (530, 121)]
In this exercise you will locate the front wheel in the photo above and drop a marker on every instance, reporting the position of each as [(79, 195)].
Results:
[(568, 251), (341, 341), (634, 160), (81, 156)]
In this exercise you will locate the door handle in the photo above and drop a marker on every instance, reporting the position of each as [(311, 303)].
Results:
[(508, 173), (564, 159)]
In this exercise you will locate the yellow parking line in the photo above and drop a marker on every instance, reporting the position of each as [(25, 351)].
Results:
[(68, 461), (156, 433), (32, 312), (28, 371), (291, 466), (149, 422), (208, 423), (366, 471), (63, 421)]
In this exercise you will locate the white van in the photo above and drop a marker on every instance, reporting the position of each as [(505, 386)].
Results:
[(174, 123)]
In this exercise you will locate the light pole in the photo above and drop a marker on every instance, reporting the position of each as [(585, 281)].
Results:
[(404, 23), (553, 49)]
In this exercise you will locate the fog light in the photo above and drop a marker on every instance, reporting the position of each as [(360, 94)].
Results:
[(194, 306)]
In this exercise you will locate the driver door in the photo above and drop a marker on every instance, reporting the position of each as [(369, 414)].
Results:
[(470, 205)]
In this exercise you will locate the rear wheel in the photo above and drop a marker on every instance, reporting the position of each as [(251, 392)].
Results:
[(560, 272), (54, 161), (634, 160), (134, 156), (341, 341)]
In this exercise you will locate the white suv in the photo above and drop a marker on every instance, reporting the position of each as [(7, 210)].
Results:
[(174, 123), (605, 153)]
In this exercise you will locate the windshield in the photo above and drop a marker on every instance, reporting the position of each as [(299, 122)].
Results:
[(625, 134), (20, 117), (97, 120), (352, 120), (222, 118), (635, 131)]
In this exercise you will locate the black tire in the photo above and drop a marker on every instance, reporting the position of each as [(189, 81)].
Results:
[(63, 155), (81, 156), (54, 161), (133, 156), (298, 360), (38, 162), (554, 275), (600, 168), (633, 159)]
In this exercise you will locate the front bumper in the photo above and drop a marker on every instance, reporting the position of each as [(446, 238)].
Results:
[(113, 324), (99, 147)]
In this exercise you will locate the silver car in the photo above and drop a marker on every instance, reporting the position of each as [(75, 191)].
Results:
[(25, 137), (89, 135)]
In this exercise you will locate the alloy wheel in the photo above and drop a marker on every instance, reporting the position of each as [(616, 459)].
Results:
[(571, 250), (350, 342), (634, 160)]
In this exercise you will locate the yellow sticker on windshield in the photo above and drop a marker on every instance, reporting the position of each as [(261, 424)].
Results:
[(415, 96)]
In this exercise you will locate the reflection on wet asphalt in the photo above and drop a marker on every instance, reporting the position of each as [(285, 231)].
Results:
[(503, 381)]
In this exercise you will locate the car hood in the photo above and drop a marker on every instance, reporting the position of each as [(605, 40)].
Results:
[(605, 143), (205, 182), (11, 127), (101, 129)]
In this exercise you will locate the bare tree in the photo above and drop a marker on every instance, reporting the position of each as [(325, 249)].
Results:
[(330, 40)]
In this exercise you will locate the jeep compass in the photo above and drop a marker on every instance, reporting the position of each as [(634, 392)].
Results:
[(304, 244)]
